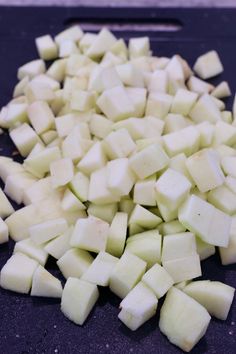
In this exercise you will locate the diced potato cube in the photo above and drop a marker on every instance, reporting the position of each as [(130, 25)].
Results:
[(90, 234), (100, 270), (46, 47), (158, 105), (146, 245), (207, 222), (205, 109), (185, 268), (208, 65), (101, 44), (183, 320), (139, 47), (117, 234), (70, 202), (41, 116), (222, 90), (199, 86), (74, 33), (9, 167), (100, 126), (31, 69), (39, 163), (62, 172), (172, 188), (101, 195), (120, 178), (167, 213), (171, 227), (38, 91), (41, 233), (17, 273), (224, 199), (45, 284), (144, 217), (83, 100), (93, 160), (103, 78), (32, 250), (78, 299), (178, 246), (138, 306), (16, 184), (119, 144), (158, 280), (126, 274), (25, 138), (158, 81), (149, 160), (105, 212), (206, 131), (74, 262), (215, 296), (178, 163), (175, 122), (224, 134), (109, 103), (137, 95), (176, 68), (80, 186), (58, 246), (204, 168), (16, 113), (144, 191), (74, 147), (183, 101), (185, 141), (48, 81)]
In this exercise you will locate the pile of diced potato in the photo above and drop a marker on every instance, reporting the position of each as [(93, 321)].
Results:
[(128, 181)]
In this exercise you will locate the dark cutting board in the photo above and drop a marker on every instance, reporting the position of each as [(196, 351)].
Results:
[(36, 325)]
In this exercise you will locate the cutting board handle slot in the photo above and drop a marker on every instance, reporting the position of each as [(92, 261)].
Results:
[(124, 24)]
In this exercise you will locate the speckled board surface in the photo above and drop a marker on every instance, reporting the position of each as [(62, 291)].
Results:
[(36, 325), (122, 3)]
